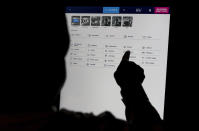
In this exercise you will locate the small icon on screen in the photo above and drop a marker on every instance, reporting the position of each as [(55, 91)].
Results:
[(127, 21), (75, 20), (116, 20), (106, 20), (95, 21), (149, 10), (85, 20)]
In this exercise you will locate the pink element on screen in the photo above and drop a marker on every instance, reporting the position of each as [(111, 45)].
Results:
[(161, 10)]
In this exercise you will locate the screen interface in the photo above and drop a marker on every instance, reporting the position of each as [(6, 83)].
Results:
[(99, 37)]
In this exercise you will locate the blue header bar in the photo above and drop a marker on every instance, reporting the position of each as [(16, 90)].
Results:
[(83, 9), (118, 10), (111, 10)]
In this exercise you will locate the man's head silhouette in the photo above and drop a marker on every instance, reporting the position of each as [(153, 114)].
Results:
[(34, 66)]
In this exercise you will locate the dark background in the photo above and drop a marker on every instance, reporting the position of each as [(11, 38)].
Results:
[(182, 77)]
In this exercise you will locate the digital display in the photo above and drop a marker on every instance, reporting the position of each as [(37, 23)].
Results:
[(99, 37)]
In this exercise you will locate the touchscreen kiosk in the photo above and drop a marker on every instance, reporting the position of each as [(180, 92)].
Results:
[(99, 36)]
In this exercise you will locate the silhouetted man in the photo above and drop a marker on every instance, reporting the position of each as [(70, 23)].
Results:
[(34, 72)]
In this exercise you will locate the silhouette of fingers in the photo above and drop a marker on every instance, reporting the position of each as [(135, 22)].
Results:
[(126, 56), (125, 59)]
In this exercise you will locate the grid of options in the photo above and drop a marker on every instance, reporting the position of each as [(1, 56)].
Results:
[(120, 21)]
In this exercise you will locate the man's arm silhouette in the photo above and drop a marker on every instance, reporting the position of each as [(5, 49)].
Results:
[(140, 114)]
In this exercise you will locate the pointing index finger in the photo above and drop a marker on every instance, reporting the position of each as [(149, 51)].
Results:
[(126, 56)]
